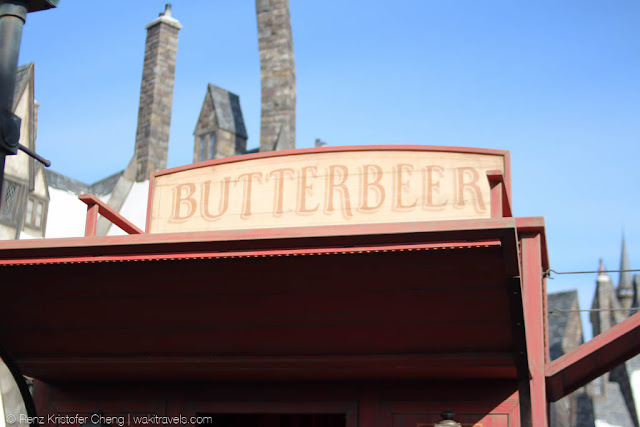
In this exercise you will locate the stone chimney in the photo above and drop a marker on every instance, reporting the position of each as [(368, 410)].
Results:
[(156, 95), (277, 75)]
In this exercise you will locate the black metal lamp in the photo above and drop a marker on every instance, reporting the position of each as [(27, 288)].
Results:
[(37, 5), (13, 15), (447, 419)]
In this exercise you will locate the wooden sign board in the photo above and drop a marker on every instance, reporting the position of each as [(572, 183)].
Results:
[(326, 186)]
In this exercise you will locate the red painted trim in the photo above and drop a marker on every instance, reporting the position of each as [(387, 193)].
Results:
[(369, 406), (507, 173), (593, 358), (388, 360), (200, 244), (535, 224), (495, 186), (106, 211), (479, 406), (533, 301), (465, 410), (256, 253), (132, 242), (390, 366), (341, 149), (500, 201)]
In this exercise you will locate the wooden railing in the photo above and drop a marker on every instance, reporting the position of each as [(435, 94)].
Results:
[(96, 206)]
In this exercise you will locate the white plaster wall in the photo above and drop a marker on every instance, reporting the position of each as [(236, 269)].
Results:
[(67, 215), (40, 189), (134, 208), (635, 389), (7, 233), (600, 423)]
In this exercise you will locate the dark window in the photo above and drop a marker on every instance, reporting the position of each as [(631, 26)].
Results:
[(212, 145), (203, 148), (12, 199)]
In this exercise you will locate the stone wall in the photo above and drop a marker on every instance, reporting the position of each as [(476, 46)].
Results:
[(228, 144)]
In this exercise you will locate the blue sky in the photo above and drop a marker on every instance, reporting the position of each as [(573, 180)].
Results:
[(555, 82)]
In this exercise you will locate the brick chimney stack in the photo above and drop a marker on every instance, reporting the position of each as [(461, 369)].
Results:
[(156, 95)]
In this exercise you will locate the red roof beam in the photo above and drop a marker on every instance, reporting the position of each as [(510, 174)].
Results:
[(593, 358), (96, 206)]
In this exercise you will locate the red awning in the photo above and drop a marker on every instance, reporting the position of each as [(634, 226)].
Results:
[(417, 300)]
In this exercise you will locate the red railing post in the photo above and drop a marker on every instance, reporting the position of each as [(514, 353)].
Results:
[(91, 225), (96, 206), (500, 203)]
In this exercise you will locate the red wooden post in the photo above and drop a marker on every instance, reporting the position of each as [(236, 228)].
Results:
[(533, 300), (500, 203), (91, 225), (496, 182), (368, 407)]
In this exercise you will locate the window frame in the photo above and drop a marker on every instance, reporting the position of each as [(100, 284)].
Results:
[(12, 218), (31, 223), (211, 146)]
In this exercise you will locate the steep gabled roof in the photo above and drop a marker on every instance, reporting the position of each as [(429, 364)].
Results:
[(99, 188), (559, 305), (24, 74), (228, 111), (607, 309)]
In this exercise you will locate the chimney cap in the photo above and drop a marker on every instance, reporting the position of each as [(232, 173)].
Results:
[(166, 18), (167, 10)]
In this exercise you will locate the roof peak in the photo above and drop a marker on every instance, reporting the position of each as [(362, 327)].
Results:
[(603, 277)]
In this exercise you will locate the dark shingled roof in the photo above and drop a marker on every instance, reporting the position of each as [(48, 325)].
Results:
[(22, 78), (99, 188), (228, 111), (559, 320)]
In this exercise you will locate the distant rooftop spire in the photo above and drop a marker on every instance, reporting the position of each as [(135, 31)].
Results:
[(625, 276), (625, 285), (601, 268), (167, 10)]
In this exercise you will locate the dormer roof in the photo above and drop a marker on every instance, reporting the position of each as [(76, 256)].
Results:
[(228, 111)]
